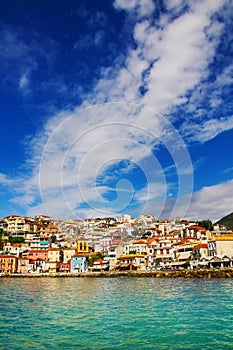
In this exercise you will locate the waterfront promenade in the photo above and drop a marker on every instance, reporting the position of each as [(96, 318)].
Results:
[(205, 273)]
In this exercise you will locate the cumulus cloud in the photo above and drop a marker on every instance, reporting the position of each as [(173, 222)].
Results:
[(212, 202), (84, 147), (169, 61), (162, 69)]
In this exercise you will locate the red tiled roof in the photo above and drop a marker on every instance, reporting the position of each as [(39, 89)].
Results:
[(151, 239), (99, 261), (140, 242), (199, 246), (196, 227), (80, 254), (38, 251)]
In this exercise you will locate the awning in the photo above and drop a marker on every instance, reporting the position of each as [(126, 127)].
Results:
[(204, 263), (184, 255)]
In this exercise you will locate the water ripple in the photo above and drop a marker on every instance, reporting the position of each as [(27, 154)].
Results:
[(117, 313)]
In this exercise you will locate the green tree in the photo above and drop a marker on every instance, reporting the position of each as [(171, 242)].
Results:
[(95, 257), (145, 234), (16, 239), (53, 238), (207, 224)]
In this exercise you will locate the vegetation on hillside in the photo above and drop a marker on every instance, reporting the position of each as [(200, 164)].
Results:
[(226, 221), (207, 224)]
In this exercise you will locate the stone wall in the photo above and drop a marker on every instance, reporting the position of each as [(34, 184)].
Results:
[(207, 273)]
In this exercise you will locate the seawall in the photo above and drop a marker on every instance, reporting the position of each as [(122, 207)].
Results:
[(205, 273)]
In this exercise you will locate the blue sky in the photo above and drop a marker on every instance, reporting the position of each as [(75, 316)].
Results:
[(111, 107)]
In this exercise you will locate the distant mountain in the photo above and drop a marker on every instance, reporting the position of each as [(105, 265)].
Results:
[(227, 221)]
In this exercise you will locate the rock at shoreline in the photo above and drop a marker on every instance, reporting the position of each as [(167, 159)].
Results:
[(208, 273)]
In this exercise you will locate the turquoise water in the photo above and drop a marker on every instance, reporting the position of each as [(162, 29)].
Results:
[(116, 313)]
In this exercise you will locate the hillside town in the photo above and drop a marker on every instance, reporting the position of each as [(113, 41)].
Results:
[(43, 245)]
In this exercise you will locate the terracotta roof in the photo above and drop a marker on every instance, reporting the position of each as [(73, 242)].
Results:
[(38, 251), (180, 242), (196, 227), (199, 246), (151, 239), (80, 254), (140, 242)]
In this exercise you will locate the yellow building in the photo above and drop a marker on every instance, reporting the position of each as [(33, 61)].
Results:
[(54, 254), (82, 246), (51, 266)]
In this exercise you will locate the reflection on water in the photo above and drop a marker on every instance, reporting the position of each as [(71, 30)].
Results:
[(116, 313)]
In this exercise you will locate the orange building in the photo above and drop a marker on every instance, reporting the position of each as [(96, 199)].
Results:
[(38, 253), (8, 263)]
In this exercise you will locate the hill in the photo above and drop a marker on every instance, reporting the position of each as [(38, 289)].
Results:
[(226, 221)]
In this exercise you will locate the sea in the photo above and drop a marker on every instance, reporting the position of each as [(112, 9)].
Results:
[(116, 313)]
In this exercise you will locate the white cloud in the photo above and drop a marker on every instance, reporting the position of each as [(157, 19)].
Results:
[(79, 149), (212, 202), (182, 51), (207, 130), (24, 83), (174, 5), (87, 41), (141, 8), (226, 77), (23, 201), (6, 181), (168, 62)]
